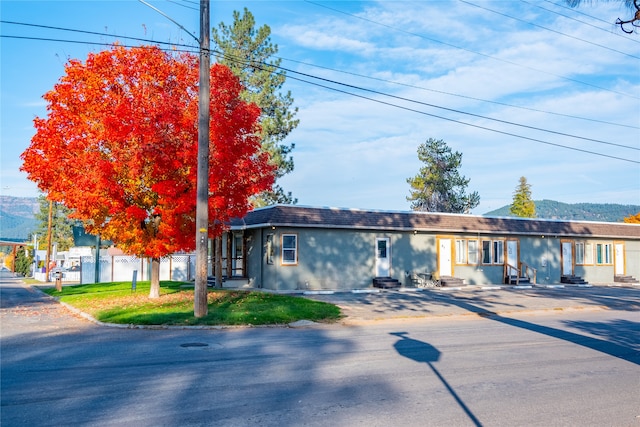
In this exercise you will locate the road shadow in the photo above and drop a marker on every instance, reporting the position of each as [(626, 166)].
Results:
[(422, 352), (59, 370), (603, 337), (620, 349)]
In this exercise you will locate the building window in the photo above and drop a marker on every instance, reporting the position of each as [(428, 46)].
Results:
[(498, 252), (466, 251), (269, 249), (579, 248), (237, 246), (461, 251), (588, 253), (473, 252), (603, 253), (486, 251), (584, 253), (493, 251), (289, 249)]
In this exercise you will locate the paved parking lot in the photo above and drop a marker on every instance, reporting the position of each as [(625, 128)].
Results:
[(475, 301)]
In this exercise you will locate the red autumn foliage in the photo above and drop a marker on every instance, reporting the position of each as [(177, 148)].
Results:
[(119, 147)]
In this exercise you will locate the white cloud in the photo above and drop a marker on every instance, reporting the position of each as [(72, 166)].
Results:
[(352, 152)]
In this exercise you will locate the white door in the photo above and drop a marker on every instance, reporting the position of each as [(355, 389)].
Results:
[(383, 259), (444, 258), (512, 257), (619, 258), (567, 258)]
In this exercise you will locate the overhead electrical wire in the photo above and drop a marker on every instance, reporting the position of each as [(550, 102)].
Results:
[(262, 67), (326, 68), (94, 33), (575, 10), (461, 112), (504, 104), (193, 49), (183, 5), (548, 29), (471, 51), (582, 22), (465, 123)]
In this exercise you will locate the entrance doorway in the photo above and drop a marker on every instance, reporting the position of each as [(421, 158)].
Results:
[(512, 258), (618, 250), (567, 258), (383, 261), (444, 258)]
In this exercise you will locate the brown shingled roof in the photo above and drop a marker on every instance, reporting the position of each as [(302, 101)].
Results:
[(299, 216)]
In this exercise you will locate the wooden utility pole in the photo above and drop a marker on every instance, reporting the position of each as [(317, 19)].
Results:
[(200, 308), (49, 226)]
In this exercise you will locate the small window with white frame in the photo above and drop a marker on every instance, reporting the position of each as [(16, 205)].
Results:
[(498, 252), (588, 253), (289, 249), (472, 246), (486, 251), (584, 253), (466, 251), (604, 253), (493, 252), (461, 251), (579, 249)]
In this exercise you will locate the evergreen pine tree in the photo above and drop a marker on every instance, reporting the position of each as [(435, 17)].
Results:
[(249, 53), (438, 186), (522, 205)]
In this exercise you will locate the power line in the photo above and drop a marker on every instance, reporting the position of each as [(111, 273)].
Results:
[(574, 10), (184, 5), (192, 50), (94, 33), (459, 95), (549, 29), (582, 22), (317, 66), (460, 111), (465, 123), (471, 51), (171, 19), (261, 67)]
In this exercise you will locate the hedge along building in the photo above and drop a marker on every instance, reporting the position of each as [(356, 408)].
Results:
[(287, 247)]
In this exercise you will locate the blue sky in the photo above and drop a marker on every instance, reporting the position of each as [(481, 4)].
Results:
[(510, 84)]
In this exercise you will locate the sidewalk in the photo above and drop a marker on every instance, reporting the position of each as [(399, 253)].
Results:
[(478, 301)]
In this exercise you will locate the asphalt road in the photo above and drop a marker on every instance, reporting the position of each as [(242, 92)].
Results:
[(573, 368)]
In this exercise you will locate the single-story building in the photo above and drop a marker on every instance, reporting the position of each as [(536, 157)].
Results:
[(289, 247)]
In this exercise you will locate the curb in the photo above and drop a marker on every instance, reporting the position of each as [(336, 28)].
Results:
[(90, 318), (356, 321)]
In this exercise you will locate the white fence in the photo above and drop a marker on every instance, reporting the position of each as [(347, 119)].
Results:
[(67, 276), (120, 268)]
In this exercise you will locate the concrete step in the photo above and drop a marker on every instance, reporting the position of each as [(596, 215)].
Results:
[(386, 282), (625, 279), (513, 280), (573, 280), (451, 281)]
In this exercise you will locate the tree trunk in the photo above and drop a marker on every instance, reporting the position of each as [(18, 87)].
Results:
[(154, 291)]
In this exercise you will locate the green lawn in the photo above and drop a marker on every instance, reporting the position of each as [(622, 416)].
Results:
[(116, 303)]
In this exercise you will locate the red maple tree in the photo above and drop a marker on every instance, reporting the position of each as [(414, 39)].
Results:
[(119, 147)]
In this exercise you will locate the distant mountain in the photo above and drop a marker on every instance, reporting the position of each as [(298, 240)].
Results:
[(550, 209), (17, 216)]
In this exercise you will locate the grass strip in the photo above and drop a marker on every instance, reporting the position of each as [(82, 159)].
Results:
[(115, 302)]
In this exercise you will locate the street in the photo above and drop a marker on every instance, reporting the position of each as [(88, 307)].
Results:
[(534, 369)]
